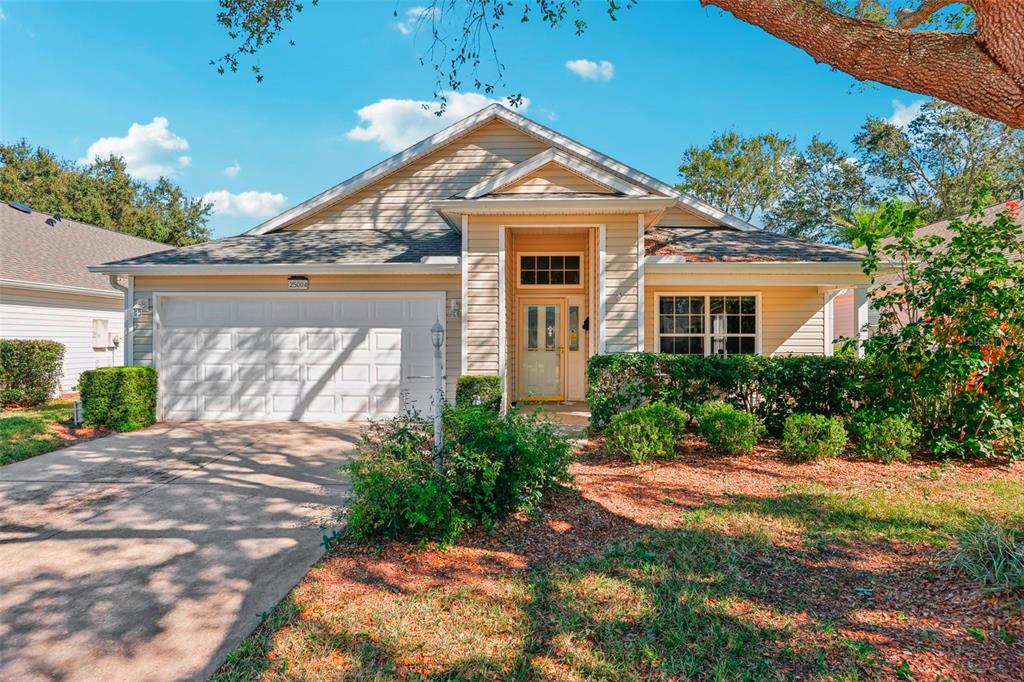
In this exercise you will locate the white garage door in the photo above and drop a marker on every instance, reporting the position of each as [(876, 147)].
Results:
[(301, 356)]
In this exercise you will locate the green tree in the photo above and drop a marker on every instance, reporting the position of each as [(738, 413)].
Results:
[(950, 332), (825, 188), (740, 175), (942, 157), (102, 193)]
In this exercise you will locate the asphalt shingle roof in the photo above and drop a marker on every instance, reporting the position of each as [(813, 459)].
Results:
[(35, 247), (727, 244), (296, 247)]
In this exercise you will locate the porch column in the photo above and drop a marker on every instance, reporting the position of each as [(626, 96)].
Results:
[(860, 317), (502, 317)]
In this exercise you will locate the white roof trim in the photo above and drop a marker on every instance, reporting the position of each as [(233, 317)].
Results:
[(551, 155), (59, 288), (466, 125), (552, 203), (284, 269)]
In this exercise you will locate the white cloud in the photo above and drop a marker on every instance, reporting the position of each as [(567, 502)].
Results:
[(413, 17), (592, 71), (149, 150), (903, 114), (394, 124), (250, 204), (232, 170)]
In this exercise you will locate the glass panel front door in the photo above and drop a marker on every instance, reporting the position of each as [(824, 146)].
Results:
[(542, 350)]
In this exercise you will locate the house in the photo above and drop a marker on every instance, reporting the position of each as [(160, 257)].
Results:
[(535, 251), (47, 291), (844, 326)]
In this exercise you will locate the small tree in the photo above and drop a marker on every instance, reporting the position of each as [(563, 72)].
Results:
[(950, 331)]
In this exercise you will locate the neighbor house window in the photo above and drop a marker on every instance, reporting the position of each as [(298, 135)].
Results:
[(535, 270), (708, 325)]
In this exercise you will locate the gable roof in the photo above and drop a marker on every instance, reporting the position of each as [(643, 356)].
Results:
[(37, 248), (518, 121)]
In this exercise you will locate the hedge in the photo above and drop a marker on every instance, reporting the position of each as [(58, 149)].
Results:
[(122, 398), (479, 389), (770, 387), (29, 370)]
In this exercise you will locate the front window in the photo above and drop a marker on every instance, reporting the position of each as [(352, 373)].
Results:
[(549, 270), (708, 325)]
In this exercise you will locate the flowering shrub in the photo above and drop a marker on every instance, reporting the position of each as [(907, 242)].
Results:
[(950, 336)]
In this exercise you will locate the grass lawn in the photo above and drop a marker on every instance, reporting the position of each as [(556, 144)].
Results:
[(27, 432), (707, 568)]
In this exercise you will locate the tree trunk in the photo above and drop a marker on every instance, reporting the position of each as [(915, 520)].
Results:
[(982, 72)]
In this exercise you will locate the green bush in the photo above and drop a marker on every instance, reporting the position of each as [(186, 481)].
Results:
[(770, 387), (810, 437), (122, 398), (493, 464), (728, 429), (396, 491), (884, 437), (29, 370), (647, 432), (992, 555), (482, 390)]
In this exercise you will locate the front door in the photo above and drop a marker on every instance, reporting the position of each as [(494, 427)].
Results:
[(542, 349)]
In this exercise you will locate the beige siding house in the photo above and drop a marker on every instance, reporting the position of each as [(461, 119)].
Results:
[(534, 252)]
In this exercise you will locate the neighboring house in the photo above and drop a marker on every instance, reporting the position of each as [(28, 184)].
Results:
[(844, 327), (47, 291), (535, 251)]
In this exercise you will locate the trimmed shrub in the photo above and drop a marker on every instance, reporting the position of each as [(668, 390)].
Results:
[(810, 437), (770, 387), (493, 465), (29, 370), (647, 432), (121, 398), (482, 390), (992, 555), (728, 429), (884, 437)]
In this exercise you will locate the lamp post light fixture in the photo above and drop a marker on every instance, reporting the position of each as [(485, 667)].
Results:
[(437, 338)]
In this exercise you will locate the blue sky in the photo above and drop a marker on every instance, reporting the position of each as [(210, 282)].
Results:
[(134, 77)]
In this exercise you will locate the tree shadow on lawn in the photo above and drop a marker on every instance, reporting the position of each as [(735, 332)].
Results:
[(751, 587)]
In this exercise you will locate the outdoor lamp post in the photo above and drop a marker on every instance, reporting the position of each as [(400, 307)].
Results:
[(437, 338)]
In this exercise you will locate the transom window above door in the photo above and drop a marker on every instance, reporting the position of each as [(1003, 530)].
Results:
[(549, 270), (708, 325)]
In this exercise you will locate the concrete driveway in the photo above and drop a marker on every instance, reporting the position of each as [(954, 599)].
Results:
[(149, 555)]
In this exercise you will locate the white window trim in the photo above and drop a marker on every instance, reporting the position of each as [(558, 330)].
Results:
[(542, 287), (707, 316)]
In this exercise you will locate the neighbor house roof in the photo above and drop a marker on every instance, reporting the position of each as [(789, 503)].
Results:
[(716, 244), (564, 148), (941, 228), (49, 252), (299, 248)]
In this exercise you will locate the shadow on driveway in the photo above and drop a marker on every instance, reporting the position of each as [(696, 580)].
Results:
[(149, 555)]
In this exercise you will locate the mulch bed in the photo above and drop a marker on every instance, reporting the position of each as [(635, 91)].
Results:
[(896, 596)]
